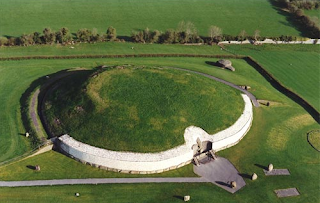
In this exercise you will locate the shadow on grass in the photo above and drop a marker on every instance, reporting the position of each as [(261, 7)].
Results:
[(243, 175), (291, 21), (284, 90), (44, 83), (31, 167), (178, 197), (261, 166), (125, 38)]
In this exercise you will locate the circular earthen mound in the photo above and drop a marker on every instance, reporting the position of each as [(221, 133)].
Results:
[(139, 109)]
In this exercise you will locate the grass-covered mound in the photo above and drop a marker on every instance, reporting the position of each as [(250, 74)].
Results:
[(139, 109)]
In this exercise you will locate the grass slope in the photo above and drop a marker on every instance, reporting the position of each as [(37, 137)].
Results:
[(295, 66), (127, 15), (140, 109)]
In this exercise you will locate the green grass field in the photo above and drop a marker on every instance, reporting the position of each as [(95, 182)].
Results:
[(295, 66), (107, 48), (314, 139), (20, 16), (313, 13), (278, 136), (18, 75)]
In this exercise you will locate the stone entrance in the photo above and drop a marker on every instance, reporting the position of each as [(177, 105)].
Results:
[(217, 170)]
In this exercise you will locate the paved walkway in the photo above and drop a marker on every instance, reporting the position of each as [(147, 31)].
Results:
[(252, 98), (99, 181), (220, 172)]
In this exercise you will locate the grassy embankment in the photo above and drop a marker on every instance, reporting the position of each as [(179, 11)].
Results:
[(295, 66)]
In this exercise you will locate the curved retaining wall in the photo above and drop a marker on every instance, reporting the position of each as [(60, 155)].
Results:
[(129, 162)]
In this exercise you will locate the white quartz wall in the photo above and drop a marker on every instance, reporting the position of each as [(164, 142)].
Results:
[(158, 162)]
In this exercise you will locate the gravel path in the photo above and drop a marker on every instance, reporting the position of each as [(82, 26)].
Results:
[(94, 181), (33, 112)]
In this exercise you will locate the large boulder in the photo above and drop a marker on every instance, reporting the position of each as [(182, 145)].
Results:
[(224, 63)]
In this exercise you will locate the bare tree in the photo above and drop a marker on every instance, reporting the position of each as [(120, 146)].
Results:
[(256, 35), (242, 35), (215, 33)]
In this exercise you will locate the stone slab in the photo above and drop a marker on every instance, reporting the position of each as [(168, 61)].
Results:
[(287, 192), (277, 172)]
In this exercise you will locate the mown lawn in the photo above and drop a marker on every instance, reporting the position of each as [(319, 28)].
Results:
[(314, 139), (295, 66), (21, 16), (110, 48), (278, 136), (272, 139)]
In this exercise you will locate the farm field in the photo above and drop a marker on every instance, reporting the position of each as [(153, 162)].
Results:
[(295, 66), (276, 137), (132, 15)]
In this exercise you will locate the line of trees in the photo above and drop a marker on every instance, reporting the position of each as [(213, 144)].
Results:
[(185, 32), (301, 4), (62, 36), (308, 24)]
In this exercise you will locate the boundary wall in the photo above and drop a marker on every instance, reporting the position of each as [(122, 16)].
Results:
[(145, 163)]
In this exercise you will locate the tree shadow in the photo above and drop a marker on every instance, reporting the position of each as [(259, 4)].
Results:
[(243, 175), (261, 166), (291, 21), (31, 167), (223, 184), (125, 38)]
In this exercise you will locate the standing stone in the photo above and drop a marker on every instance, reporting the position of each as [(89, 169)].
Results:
[(27, 134), (233, 184), (77, 194), (270, 167), (37, 168), (186, 198), (254, 176)]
